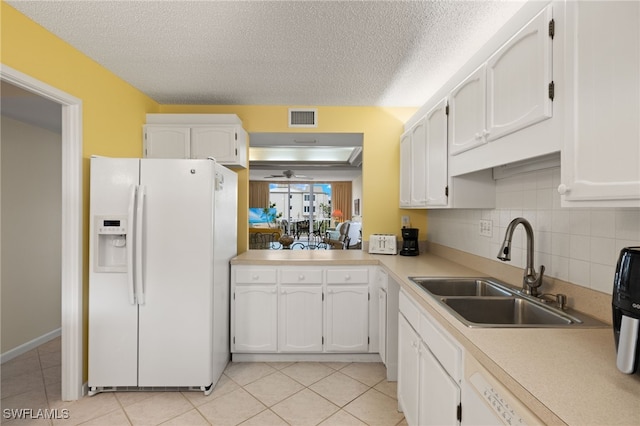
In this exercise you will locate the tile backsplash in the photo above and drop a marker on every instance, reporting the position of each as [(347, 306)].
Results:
[(578, 245)]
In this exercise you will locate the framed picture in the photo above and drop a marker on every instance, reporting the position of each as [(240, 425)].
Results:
[(356, 207)]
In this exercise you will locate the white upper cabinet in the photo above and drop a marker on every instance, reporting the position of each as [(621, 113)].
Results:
[(413, 167), (405, 170), (436, 150), (601, 153), (167, 142), (467, 113), (507, 93), (519, 76), (219, 136), (227, 144)]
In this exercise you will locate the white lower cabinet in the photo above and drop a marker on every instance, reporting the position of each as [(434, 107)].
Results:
[(408, 368), (347, 318), (429, 369), (439, 393), (300, 318), (302, 310), (255, 318)]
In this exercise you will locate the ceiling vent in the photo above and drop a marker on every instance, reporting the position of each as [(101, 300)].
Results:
[(303, 117)]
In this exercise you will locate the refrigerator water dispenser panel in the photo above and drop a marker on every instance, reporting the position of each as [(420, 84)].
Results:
[(111, 235)]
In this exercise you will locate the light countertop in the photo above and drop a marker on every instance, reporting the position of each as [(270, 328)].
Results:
[(562, 375)]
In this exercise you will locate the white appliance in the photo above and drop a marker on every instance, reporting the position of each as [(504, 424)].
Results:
[(162, 234), (383, 244)]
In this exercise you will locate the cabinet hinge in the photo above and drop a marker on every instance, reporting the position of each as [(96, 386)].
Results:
[(234, 340), (236, 151), (552, 28), (459, 412), (323, 297), (446, 191), (368, 296), (323, 340), (234, 295), (236, 135), (446, 109), (552, 90), (368, 340)]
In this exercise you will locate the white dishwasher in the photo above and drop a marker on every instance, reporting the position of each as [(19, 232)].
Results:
[(487, 402)]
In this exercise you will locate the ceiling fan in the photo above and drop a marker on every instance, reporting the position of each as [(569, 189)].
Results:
[(289, 174)]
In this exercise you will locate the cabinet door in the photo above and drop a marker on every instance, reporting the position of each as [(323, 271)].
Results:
[(601, 156), (436, 149), (382, 324), (439, 393), (467, 113), (518, 78), (347, 318), (255, 318), (408, 368), (166, 142), (419, 164), (218, 142), (300, 318), (405, 170)]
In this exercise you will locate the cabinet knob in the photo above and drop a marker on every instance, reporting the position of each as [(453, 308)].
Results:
[(478, 135), (347, 277), (300, 277), (255, 277), (563, 189), (485, 133)]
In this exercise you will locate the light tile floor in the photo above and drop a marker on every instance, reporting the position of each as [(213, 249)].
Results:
[(301, 393)]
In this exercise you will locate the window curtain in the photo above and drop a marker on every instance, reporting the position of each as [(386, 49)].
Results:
[(341, 198), (258, 194)]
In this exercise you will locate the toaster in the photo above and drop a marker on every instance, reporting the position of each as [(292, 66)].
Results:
[(383, 244)]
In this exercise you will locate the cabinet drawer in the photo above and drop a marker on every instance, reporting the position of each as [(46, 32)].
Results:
[(447, 353), (299, 276), (409, 310), (347, 276), (251, 275)]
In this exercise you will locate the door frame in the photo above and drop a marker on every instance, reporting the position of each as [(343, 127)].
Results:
[(72, 253)]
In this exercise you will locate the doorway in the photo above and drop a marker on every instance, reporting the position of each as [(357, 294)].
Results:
[(71, 227)]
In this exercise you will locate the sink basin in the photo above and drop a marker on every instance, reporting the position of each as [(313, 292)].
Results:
[(461, 286), (487, 302), (505, 311)]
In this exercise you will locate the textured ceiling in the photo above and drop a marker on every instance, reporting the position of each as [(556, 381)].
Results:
[(385, 53)]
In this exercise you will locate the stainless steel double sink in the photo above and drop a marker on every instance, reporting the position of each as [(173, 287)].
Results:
[(487, 302)]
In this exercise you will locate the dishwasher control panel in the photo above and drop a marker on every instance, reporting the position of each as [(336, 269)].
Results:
[(487, 401), (505, 412)]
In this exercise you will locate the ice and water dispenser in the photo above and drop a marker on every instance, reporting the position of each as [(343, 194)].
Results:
[(111, 247)]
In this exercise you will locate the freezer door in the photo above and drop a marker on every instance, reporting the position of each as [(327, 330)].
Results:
[(113, 318), (175, 320)]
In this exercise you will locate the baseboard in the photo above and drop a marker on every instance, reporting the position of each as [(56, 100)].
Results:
[(299, 357), (32, 344)]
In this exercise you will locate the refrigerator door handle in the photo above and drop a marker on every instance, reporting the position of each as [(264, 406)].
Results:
[(139, 244), (130, 245)]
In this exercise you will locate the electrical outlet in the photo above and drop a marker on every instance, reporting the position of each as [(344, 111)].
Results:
[(486, 228), (405, 222)]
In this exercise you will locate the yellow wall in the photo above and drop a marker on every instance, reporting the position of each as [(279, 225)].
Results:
[(113, 111), (380, 167)]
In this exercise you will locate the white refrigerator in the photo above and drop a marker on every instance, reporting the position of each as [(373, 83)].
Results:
[(162, 232)]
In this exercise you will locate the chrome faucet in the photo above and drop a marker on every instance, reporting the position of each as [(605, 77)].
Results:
[(531, 280)]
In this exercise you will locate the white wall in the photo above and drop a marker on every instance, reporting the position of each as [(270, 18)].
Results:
[(580, 246), (356, 192), (31, 240)]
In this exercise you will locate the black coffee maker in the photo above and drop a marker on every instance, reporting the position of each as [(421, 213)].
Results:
[(409, 242), (626, 310)]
